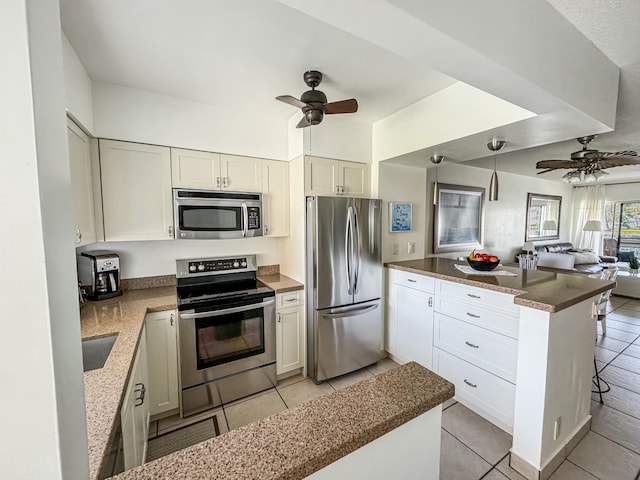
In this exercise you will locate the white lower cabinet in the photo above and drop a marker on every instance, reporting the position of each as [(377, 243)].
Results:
[(486, 394), (410, 317), (134, 415), (162, 350), (290, 331)]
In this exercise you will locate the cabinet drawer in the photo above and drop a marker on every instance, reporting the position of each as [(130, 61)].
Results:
[(482, 316), (484, 393), (290, 299), (488, 350), (413, 280), (478, 296)]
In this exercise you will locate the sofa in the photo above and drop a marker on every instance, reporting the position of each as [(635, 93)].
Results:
[(585, 261)]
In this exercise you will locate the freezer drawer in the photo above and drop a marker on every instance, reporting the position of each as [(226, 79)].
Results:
[(346, 339)]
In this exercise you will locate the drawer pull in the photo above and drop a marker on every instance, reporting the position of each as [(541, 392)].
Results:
[(411, 280), (473, 296), (471, 344), (470, 384), (473, 315), (290, 299)]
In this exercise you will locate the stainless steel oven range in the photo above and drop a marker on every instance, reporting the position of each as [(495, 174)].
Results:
[(226, 331)]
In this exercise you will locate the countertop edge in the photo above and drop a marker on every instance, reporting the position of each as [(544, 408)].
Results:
[(280, 283), (521, 297)]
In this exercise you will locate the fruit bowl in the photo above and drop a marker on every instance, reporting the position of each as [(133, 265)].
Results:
[(482, 265)]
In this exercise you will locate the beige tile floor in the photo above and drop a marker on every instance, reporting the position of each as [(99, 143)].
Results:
[(473, 448)]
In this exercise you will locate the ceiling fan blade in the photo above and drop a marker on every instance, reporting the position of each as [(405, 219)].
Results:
[(555, 164), (618, 161), (342, 106), (292, 101), (623, 154), (303, 122)]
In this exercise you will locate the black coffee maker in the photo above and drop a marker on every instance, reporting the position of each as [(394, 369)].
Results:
[(99, 274)]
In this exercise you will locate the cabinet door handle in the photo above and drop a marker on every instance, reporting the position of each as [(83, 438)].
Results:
[(225, 181), (338, 190), (171, 319), (473, 296), (290, 299), (279, 318), (431, 301), (411, 280), (470, 384), (266, 230), (217, 181), (473, 315), (170, 231), (471, 344), (142, 390)]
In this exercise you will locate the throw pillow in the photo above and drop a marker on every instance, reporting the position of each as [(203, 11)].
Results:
[(583, 258)]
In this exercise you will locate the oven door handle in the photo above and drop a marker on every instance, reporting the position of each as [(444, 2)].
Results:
[(217, 313)]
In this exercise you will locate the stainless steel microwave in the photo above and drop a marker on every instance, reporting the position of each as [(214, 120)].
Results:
[(204, 214)]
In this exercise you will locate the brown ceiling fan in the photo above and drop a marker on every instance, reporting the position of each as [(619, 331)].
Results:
[(587, 164), (314, 102)]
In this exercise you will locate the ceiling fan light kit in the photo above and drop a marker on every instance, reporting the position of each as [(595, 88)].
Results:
[(494, 145), (313, 103), (588, 165)]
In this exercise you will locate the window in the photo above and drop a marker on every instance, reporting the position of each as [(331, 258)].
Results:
[(622, 231)]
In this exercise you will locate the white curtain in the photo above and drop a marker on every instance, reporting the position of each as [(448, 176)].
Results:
[(588, 205)]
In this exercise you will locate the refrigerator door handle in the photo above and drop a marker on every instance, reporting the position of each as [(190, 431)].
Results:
[(357, 250), (348, 250), (351, 313)]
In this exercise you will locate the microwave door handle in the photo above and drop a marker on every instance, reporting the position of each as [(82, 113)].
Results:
[(245, 220), (217, 313)]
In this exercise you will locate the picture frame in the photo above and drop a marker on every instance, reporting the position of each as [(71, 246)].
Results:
[(543, 217), (458, 221), (400, 217)]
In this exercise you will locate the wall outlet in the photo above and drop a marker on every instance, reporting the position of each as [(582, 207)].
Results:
[(557, 427), (411, 247), (394, 249)]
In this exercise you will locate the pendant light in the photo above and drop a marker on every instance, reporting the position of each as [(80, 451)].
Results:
[(436, 160), (494, 145)]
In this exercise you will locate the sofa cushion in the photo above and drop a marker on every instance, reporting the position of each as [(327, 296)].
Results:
[(559, 247), (582, 258)]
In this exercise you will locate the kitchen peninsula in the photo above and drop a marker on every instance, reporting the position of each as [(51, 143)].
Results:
[(519, 348)]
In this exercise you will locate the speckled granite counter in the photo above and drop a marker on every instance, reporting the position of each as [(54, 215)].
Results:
[(104, 388), (280, 283), (295, 443), (542, 290)]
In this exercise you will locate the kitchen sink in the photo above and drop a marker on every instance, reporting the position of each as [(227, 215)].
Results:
[(95, 351)]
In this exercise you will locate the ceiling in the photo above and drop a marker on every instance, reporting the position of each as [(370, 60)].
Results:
[(240, 55)]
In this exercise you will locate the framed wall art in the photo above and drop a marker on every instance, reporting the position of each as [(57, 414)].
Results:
[(458, 219), (400, 217)]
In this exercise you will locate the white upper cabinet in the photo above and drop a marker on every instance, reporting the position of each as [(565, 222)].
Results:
[(214, 171), (136, 191), (241, 174), (195, 169), (275, 198), (84, 223), (324, 176)]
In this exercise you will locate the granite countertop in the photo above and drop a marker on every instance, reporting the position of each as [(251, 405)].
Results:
[(104, 388), (280, 283), (541, 290), (295, 443)]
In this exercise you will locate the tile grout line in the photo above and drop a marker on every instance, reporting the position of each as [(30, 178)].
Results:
[(471, 449), (613, 441), (583, 469)]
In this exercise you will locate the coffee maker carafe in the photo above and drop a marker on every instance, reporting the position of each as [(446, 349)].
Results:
[(99, 274)]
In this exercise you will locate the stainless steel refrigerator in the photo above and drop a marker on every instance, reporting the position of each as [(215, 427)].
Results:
[(344, 285)]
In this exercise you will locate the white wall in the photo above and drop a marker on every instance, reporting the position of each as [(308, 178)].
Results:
[(504, 220), (397, 183), (122, 113), (78, 88), (342, 137), (44, 428), (292, 258), (148, 259)]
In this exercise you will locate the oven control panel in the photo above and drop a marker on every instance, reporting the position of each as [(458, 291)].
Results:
[(213, 266)]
